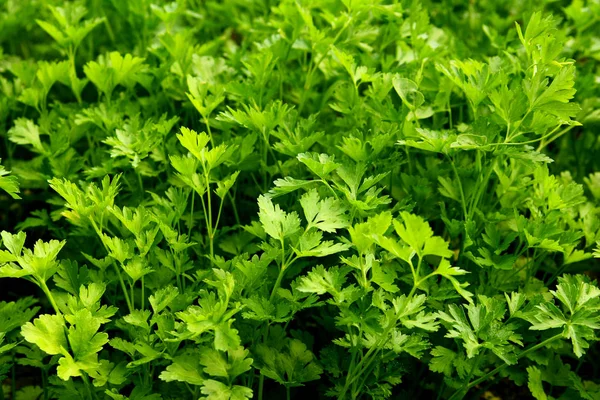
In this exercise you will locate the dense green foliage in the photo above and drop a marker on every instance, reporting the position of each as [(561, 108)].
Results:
[(356, 199)]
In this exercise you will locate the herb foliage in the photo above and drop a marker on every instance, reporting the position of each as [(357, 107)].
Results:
[(348, 199)]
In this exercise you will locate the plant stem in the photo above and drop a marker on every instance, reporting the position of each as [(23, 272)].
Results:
[(124, 288), (50, 297), (141, 183), (212, 143), (234, 207), (493, 372), (45, 383), (460, 188), (143, 298), (191, 224), (261, 384), (209, 224), (13, 380), (363, 366), (87, 385)]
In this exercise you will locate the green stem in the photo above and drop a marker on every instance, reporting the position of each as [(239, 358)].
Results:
[(460, 188), (141, 183), (481, 188), (191, 224), (543, 143), (234, 207), (284, 264), (261, 384), (493, 372), (281, 272), (49, 295), (219, 214), (88, 385), (212, 143), (364, 364), (123, 287), (13, 380), (209, 224), (143, 298)]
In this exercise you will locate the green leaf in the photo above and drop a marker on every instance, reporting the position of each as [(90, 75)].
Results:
[(84, 339), (71, 277), (234, 364), (449, 272), (442, 361), (162, 298), (223, 186), (534, 383), (10, 184), (327, 214), (579, 317), (320, 281), (226, 337), (48, 333), (288, 185), (185, 368), (310, 244), (291, 367), (194, 142), (363, 234), (216, 390), (277, 223), (14, 243), (320, 164), (25, 132), (419, 236)]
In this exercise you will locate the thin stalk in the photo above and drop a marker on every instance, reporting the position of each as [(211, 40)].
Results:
[(219, 214), (13, 380), (261, 384), (365, 375), (191, 224), (460, 188), (88, 386), (71, 55), (365, 362), (234, 207), (2, 392), (481, 188), (493, 372), (543, 143), (124, 288), (49, 295), (212, 142), (187, 385), (143, 297), (416, 280), (354, 351), (209, 224), (284, 265), (265, 161), (141, 183), (45, 383), (314, 66), (281, 272)]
